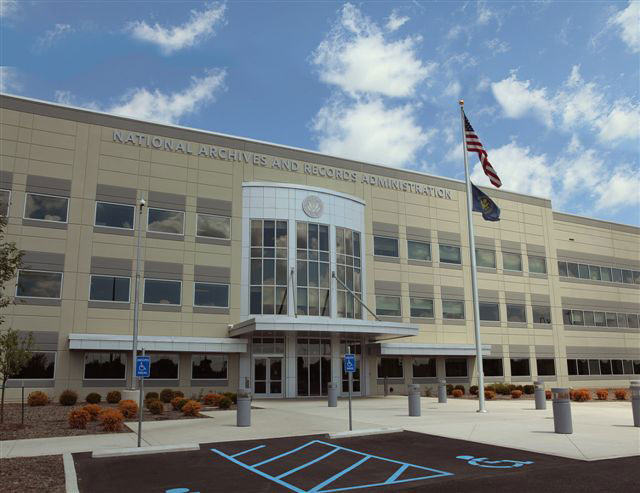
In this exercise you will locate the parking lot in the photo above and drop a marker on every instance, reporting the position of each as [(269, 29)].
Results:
[(316, 464)]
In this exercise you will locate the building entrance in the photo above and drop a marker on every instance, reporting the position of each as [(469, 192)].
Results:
[(267, 380), (313, 358)]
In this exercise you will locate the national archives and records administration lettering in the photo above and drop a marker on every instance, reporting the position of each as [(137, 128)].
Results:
[(244, 157)]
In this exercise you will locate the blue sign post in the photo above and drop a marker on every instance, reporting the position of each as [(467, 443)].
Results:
[(143, 370), (350, 368)]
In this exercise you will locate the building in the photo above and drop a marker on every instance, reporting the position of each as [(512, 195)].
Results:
[(254, 257)]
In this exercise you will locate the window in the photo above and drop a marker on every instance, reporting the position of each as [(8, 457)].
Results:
[(109, 288), (267, 345), (388, 306), (636, 277), (489, 312), (349, 271), (455, 367), (162, 292), (572, 368), (450, 254), (421, 307), (576, 317), (208, 366), (612, 320), (165, 221), (583, 271), (546, 366), (616, 366), (537, 265), (600, 319), (605, 367), (268, 272), (39, 284), (627, 276), (4, 202), (516, 313), (453, 309), (46, 208), (164, 366), (424, 367), (41, 365), (213, 226), (385, 247), (520, 367), (573, 270), (562, 269), (104, 366), (211, 295), (594, 273), (616, 275), (312, 241), (486, 258), (390, 367), (633, 320), (606, 274), (419, 251), (583, 367), (541, 314), (114, 215), (511, 261), (594, 367), (589, 320), (492, 367)]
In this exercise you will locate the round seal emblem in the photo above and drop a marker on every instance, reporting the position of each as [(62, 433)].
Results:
[(312, 206)]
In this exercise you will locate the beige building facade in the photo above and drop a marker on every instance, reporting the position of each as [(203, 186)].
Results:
[(254, 258)]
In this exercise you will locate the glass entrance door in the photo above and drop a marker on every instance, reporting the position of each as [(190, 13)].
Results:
[(313, 366), (356, 348), (267, 376)]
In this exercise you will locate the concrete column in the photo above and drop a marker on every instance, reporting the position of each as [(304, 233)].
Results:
[(336, 362), (290, 389), (244, 369)]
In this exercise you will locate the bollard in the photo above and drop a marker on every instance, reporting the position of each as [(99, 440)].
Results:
[(243, 411), (333, 394), (562, 411), (635, 402), (414, 400), (386, 386), (541, 399), (442, 391)]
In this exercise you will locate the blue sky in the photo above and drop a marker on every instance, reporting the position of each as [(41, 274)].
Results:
[(550, 87)]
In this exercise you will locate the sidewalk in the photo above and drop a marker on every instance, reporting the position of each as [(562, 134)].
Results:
[(601, 429)]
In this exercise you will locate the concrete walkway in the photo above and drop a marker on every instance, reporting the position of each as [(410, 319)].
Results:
[(601, 429)]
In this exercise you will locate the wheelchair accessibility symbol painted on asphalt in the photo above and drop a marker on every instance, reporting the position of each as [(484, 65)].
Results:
[(180, 490), (493, 464)]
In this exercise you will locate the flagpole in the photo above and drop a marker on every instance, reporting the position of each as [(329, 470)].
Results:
[(474, 277)]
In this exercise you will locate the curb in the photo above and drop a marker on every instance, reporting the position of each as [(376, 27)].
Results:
[(364, 433), (70, 478), (156, 449)]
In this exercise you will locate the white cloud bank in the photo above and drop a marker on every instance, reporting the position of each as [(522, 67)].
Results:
[(52, 36), (199, 27), (8, 8), (627, 21), (9, 79)]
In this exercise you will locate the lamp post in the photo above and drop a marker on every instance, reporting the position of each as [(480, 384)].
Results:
[(136, 297)]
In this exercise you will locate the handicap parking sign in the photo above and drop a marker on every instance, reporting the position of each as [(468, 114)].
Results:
[(143, 366), (350, 363)]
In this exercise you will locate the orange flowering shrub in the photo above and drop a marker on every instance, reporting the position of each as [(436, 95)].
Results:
[(128, 408), (621, 394), (211, 399), (489, 394), (602, 394), (516, 394), (581, 395), (191, 408), (111, 420), (547, 395), (94, 410), (37, 398), (457, 393), (78, 418)]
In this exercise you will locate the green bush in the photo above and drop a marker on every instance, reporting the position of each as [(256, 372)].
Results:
[(93, 398), (166, 395), (178, 393), (460, 387), (449, 389), (473, 390), (68, 398), (224, 402), (152, 396), (503, 388), (529, 389), (180, 404), (156, 407), (232, 395), (114, 397)]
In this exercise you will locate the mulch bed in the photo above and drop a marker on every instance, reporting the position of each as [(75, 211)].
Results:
[(45, 473), (51, 421)]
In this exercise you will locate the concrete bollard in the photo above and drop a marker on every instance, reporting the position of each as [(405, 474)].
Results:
[(635, 402), (333, 394), (541, 398), (243, 411), (414, 400), (562, 410), (442, 391), (386, 386)]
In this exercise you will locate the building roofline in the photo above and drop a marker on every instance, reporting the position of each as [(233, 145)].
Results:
[(591, 218)]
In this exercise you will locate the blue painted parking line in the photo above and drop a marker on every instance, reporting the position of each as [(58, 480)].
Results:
[(430, 473), (493, 464)]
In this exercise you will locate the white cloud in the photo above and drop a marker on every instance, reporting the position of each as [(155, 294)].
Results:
[(621, 189), (370, 131), (158, 106), (51, 36), (356, 57), (199, 27), (628, 23), (622, 121), (518, 100), (485, 14), (395, 21), (483, 84), (8, 7), (9, 79), (453, 89), (497, 46)]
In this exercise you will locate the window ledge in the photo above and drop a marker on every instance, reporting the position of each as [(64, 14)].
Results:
[(392, 260), (38, 301), (117, 305), (113, 231), (44, 224), (161, 308)]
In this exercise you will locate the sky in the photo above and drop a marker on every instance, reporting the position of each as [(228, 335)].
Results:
[(551, 88)]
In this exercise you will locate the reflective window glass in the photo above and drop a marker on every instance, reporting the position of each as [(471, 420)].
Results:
[(388, 306), (165, 221), (450, 254), (537, 265), (453, 309), (208, 366), (419, 251), (385, 247), (489, 312), (492, 367), (606, 274), (424, 367), (520, 367), (600, 319), (541, 314), (562, 269), (588, 319), (486, 258), (573, 270), (627, 276), (594, 273), (390, 367), (214, 226), (114, 215), (39, 284), (211, 295), (4, 202), (109, 288), (612, 320), (46, 208), (516, 313), (99, 366), (455, 367), (162, 292), (164, 366), (633, 320), (576, 317), (511, 261), (583, 270), (616, 275), (421, 307), (41, 365), (572, 368), (545, 366)]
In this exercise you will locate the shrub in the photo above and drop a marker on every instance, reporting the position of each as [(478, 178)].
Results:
[(156, 407), (94, 410), (114, 397), (224, 402), (78, 418), (178, 393), (111, 420), (529, 389), (37, 398), (621, 394), (191, 408), (68, 398), (473, 390), (516, 394), (547, 395), (602, 394), (232, 395), (211, 399), (459, 387), (166, 395), (128, 408), (174, 402), (581, 395), (511, 387), (93, 398), (153, 396), (502, 388), (449, 389), (457, 393), (489, 394)]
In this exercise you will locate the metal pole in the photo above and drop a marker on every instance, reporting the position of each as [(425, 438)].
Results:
[(22, 419), (140, 408), (136, 297), (350, 389), (474, 280), (333, 274)]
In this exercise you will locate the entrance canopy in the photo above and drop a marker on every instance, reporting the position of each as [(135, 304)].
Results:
[(418, 349), (374, 329), (111, 342)]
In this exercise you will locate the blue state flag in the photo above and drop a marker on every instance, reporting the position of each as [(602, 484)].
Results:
[(482, 203)]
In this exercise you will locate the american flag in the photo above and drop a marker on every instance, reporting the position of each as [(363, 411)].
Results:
[(474, 145)]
